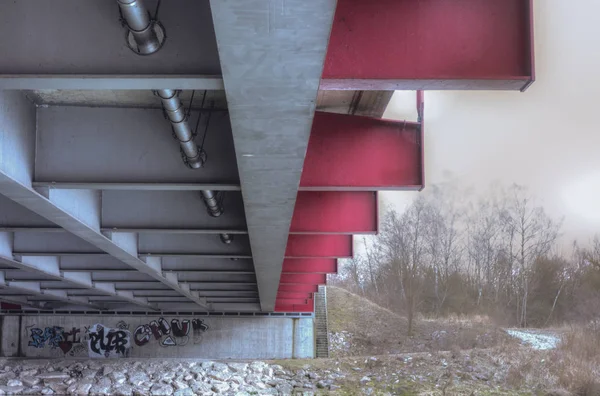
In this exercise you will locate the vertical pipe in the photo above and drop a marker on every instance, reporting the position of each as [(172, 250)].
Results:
[(178, 118), (176, 114), (140, 25)]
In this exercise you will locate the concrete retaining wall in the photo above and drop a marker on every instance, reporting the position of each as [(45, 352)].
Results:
[(156, 337)]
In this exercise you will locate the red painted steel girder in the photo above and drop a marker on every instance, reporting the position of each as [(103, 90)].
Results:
[(291, 301), (332, 246), (295, 308), (433, 44), (303, 279), (298, 288), (310, 265), (335, 212), (288, 295), (349, 153)]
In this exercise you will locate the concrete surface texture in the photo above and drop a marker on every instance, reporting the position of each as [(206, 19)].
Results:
[(52, 336), (272, 54)]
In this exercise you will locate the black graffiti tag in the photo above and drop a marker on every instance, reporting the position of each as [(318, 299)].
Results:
[(180, 329), (105, 340)]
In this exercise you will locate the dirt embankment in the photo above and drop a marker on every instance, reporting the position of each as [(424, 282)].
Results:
[(359, 327)]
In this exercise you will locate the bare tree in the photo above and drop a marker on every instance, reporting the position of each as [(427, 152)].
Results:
[(531, 234)]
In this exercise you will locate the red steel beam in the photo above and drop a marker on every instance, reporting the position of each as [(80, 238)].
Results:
[(298, 288), (349, 153), (323, 246), (335, 212), (284, 295), (295, 308), (311, 265), (291, 301), (433, 44), (303, 279)]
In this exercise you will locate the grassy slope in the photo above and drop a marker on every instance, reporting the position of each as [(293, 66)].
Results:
[(375, 330)]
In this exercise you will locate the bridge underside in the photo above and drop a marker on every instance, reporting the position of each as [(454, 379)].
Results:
[(99, 212)]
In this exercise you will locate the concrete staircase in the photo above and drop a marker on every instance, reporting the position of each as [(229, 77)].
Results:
[(322, 334)]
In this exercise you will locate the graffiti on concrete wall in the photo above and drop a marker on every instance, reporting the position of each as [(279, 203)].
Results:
[(101, 341), (175, 333), (54, 337), (108, 342)]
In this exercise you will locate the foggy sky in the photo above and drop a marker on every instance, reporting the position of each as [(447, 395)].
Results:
[(547, 138)]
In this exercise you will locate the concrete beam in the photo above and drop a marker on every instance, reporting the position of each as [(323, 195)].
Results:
[(81, 216), (48, 267), (116, 146), (77, 37), (272, 54), (100, 81), (34, 289)]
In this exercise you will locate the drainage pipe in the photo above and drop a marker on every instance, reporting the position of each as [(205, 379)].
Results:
[(140, 25), (193, 155)]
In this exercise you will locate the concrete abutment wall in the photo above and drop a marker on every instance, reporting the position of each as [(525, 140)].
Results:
[(207, 337)]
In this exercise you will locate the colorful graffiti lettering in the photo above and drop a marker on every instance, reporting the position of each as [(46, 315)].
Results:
[(174, 334), (108, 342), (50, 335)]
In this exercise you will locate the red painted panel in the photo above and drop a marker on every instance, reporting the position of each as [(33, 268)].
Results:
[(285, 295), (295, 308), (291, 301), (298, 288), (351, 212), (362, 152), (430, 39), (303, 279), (336, 246), (311, 265)]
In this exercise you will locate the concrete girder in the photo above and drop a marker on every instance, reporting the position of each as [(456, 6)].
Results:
[(136, 147), (272, 54), (49, 267), (59, 242), (77, 211), (34, 289), (88, 38)]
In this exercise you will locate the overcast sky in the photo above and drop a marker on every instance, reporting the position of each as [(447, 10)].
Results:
[(547, 138)]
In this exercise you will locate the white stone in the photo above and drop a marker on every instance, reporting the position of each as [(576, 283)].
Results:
[(14, 382), (54, 376), (29, 372), (138, 377), (30, 381), (83, 388), (161, 389), (220, 387), (123, 390), (219, 375), (206, 365), (178, 384), (103, 387), (258, 367), (238, 367), (118, 377), (11, 390), (184, 392), (47, 391), (200, 387)]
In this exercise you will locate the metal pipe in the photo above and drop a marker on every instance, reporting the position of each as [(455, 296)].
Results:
[(140, 26), (176, 114)]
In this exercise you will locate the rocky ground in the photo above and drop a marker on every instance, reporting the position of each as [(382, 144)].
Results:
[(441, 373), (154, 377)]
